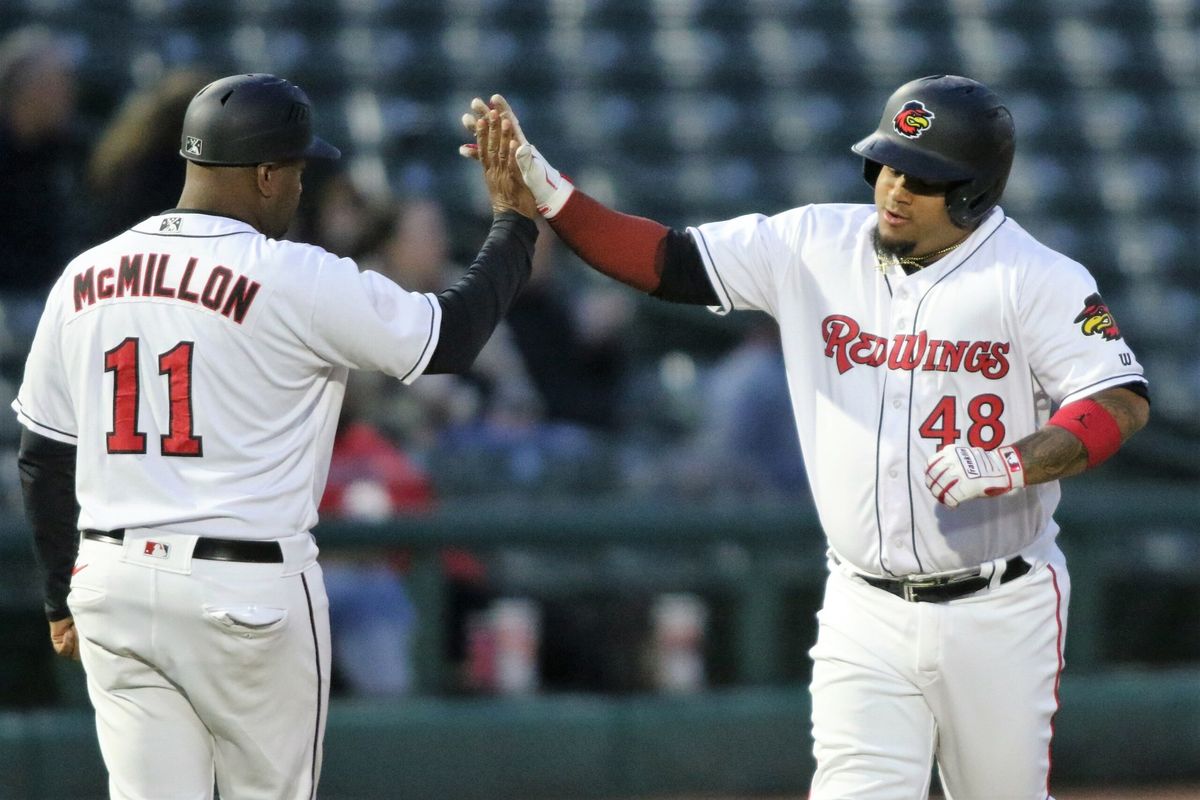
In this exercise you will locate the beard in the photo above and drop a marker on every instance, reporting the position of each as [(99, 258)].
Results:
[(891, 249)]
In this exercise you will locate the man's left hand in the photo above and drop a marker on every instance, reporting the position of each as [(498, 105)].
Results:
[(65, 638)]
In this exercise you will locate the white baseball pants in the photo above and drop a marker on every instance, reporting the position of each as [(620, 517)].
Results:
[(199, 668), (972, 683)]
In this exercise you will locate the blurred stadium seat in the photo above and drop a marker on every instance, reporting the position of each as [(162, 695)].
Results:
[(691, 110)]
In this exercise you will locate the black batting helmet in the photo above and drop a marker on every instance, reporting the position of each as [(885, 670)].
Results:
[(244, 120), (946, 129)]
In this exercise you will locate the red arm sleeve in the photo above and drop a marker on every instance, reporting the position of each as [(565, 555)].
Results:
[(627, 248)]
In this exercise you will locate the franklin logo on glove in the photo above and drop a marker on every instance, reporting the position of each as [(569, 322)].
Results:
[(973, 472)]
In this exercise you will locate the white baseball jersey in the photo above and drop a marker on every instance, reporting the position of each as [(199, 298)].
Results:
[(885, 368), (199, 367)]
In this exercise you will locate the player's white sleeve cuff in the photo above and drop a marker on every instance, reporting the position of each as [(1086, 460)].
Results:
[(1100, 386), (435, 330), (41, 428), (714, 278)]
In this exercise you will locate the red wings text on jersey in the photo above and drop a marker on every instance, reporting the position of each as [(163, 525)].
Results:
[(848, 345), (147, 275)]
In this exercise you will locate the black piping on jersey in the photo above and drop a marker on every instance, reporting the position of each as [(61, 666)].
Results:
[(878, 440), (189, 235), (912, 380), (21, 408), (725, 298), (312, 622), (428, 339), (1137, 379), (195, 235)]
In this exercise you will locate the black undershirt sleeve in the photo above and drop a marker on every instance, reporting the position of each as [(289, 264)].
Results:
[(48, 486), (473, 307), (683, 278), (1138, 388)]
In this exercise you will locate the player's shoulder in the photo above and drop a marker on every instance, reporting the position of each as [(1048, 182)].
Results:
[(1022, 251), (818, 221), (288, 253), (829, 219), (826, 215)]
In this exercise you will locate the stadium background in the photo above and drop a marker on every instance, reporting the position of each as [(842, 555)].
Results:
[(649, 536)]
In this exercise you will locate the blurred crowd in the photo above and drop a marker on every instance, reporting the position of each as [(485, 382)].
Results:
[(586, 389), (575, 393)]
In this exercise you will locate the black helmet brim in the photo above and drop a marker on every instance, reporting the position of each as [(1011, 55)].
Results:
[(920, 163), (322, 149)]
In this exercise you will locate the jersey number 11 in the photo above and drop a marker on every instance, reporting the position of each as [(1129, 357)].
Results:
[(176, 364)]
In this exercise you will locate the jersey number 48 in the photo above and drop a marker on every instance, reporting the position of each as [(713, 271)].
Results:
[(986, 429), (176, 364)]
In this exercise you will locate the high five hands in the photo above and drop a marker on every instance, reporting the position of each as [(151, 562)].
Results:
[(495, 147), (550, 188)]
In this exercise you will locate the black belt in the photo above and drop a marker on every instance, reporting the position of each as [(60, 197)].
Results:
[(251, 550), (939, 590)]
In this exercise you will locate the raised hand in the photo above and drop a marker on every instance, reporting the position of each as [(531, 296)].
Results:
[(550, 188), (479, 110), (495, 147)]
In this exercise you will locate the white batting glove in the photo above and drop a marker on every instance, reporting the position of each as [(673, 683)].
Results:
[(957, 474), (549, 187)]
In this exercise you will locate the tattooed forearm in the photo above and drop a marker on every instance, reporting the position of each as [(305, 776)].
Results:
[(1053, 453), (1129, 410), (1050, 454)]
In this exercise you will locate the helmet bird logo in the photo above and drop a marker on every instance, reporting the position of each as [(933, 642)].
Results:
[(1097, 319), (912, 119)]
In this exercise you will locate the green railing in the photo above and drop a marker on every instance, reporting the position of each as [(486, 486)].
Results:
[(1131, 695)]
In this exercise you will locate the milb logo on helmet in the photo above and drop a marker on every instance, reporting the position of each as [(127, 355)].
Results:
[(913, 119), (1097, 319)]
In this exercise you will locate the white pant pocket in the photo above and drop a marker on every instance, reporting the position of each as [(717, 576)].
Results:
[(248, 619), (84, 597)]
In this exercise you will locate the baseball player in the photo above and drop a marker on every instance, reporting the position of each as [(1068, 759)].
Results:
[(945, 370), (184, 385)]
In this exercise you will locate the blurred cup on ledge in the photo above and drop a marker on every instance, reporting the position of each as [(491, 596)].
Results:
[(678, 622)]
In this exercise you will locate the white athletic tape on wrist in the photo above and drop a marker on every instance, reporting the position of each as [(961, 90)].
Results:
[(549, 187)]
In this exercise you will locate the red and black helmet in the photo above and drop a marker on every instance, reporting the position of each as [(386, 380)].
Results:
[(946, 129)]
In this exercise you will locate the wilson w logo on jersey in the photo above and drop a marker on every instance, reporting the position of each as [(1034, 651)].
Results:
[(848, 345)]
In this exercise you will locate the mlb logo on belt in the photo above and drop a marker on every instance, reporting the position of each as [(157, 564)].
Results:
[(192, 145), (156, 549)]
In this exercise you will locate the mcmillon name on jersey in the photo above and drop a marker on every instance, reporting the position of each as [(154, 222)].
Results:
[(153, 275), (848, 344)]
